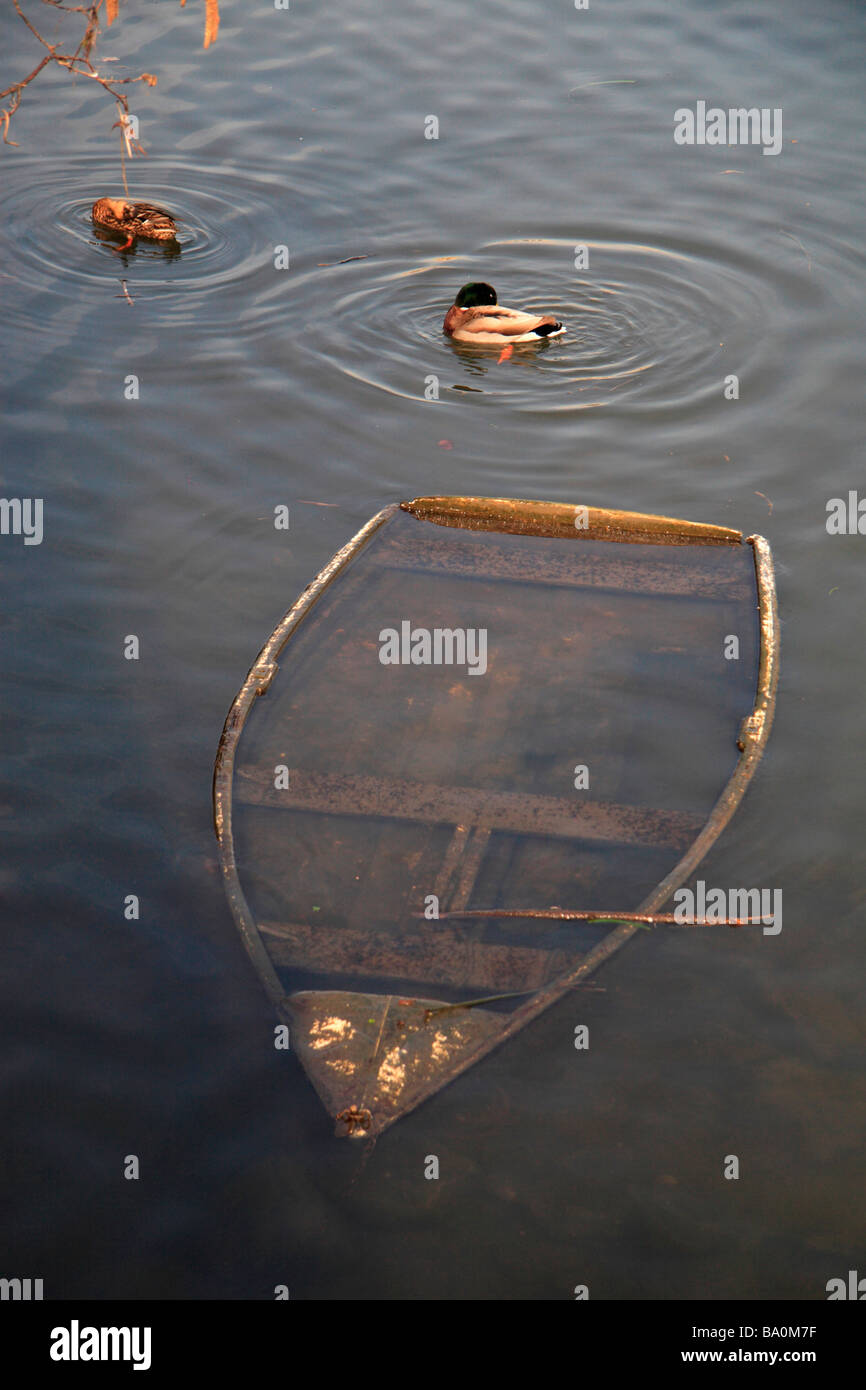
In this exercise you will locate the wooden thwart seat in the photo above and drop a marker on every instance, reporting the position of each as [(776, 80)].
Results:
[(427, 951), (573, 567), (523, 813)]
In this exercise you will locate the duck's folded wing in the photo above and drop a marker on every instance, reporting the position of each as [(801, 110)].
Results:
[(508, 322), (149, 210), (149, 214)]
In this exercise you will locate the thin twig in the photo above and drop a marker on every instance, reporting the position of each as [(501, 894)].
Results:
[(801, 246), (76, 63), (560, 914), (766, 499)]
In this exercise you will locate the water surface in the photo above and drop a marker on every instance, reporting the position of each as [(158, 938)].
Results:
[(310, 387)]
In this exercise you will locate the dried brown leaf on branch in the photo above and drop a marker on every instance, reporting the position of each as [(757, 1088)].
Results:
[(211, 20), (111, 10)]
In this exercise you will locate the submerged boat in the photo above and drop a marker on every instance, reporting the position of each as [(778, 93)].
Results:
[(481, 708)]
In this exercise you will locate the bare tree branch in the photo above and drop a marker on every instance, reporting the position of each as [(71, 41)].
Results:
[(79, 63)]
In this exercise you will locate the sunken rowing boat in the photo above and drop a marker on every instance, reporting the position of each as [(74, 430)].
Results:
[(482, 707)]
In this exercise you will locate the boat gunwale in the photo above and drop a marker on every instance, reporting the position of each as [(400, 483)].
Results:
[(752, 741), (566, 520), (256, 683)]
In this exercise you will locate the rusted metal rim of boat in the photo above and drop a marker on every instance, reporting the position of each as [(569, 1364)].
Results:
[(527, 518)]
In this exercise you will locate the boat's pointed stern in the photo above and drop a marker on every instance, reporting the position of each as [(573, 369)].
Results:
[(373, 1057)]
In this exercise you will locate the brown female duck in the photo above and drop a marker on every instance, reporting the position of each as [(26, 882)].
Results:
[(134, 220)]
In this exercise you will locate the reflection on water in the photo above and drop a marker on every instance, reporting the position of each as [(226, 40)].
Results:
[(330, 382), (168, 250)]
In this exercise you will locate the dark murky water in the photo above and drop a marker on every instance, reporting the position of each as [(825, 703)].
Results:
[(307, 387)]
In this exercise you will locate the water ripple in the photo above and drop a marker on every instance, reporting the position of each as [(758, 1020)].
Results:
[(649, 325), (229, 221)]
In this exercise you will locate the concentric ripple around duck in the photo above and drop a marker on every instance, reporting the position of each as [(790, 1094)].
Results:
[(229, 223), (647, 324)]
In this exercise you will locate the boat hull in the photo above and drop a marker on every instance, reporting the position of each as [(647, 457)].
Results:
[(384, 765)]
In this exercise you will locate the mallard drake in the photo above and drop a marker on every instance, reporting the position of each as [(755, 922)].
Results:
[(477, 317), (134, 220)]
